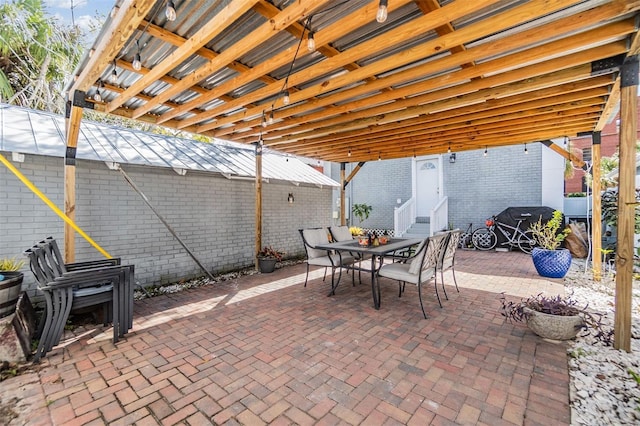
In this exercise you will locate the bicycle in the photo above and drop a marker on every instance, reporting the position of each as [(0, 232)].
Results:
[(465, 238), (486, 238)]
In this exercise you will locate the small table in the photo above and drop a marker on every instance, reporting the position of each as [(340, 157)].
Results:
[(379, 251)]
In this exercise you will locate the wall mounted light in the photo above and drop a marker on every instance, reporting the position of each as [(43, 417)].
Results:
[(290, 198), (452, 157)]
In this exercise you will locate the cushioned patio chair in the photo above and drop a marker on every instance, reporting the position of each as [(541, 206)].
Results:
[(418, 269), (319, 257)]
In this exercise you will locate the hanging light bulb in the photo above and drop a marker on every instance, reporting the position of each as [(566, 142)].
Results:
[(113, 78), (264, 120), (379, 157), (349, 153), (270, 121), (137, 64), (449, 149), (566, 138), (286, 99), (170, 12), (98, 96), (311, 42), (485, 151), (526, 151), (381, 16)]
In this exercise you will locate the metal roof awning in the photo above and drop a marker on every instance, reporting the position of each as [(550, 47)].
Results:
[(37, 132)]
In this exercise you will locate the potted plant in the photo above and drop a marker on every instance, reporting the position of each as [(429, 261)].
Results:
[(555, 317), (550, 260), (10, 285), (361, 211), (267, 258)]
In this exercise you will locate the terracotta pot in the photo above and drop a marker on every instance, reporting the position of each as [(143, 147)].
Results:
[(556, 327)]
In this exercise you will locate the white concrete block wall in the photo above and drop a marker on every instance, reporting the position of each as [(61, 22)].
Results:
[(213, 215)]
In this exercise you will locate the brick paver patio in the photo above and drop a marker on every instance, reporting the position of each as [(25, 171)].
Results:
[(263, 349)]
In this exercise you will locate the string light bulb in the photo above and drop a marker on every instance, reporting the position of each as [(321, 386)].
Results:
[(449, 149), (286, 99), (113, 77), (170, 12), (98, 96), (381, 16), (566, 138), (137, 64), (270, 121), (379, 157), (526, 151), (311, 41), (485, 151), (264, 119), (349, 153)]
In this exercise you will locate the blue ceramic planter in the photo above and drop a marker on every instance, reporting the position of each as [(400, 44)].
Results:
[(551, 263)]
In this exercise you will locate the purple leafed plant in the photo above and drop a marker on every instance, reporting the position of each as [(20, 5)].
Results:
[(556, 305)]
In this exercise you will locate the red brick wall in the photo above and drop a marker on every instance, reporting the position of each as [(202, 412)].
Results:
[(609, 144)]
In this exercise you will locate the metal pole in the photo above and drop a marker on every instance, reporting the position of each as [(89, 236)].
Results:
[(165, 223)]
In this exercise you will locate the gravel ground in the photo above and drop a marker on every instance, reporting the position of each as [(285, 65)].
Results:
[(605, 382)]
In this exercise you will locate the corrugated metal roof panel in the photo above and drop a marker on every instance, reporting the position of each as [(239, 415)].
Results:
[(36, 132)]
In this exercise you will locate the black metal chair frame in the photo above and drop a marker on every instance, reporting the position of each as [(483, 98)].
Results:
[(333, 265), (68, 287)]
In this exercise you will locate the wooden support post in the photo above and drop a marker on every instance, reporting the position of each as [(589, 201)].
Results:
[(626, 203), (343, 219), (73, 117), (258, 230), (596, 208)]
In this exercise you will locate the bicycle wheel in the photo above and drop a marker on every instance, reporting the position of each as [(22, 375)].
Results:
[(526, 242), (484, 239), (465, 240)]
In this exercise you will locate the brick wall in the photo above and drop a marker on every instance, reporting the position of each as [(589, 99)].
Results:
[(379, 184), (213, 215), (479, 186)]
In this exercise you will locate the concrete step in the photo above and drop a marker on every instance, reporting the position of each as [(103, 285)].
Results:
[(418, 230)]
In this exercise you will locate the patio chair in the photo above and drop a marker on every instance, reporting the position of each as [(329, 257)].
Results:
[(342, 233), (314, 236), (418, 269), (107, 286), (448, 258)]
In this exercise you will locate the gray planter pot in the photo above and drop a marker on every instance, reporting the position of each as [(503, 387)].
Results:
[(266, 265), (554, 327)]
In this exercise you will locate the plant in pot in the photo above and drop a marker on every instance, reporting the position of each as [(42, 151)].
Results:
[(549, 258), (10, 285), (267, 258), (555, 317)]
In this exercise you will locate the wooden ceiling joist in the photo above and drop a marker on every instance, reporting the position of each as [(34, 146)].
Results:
[(436, 73)]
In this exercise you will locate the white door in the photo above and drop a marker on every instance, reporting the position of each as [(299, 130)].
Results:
[(427, 191)]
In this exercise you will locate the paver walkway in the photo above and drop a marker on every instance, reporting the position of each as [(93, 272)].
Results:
[(263, 349)]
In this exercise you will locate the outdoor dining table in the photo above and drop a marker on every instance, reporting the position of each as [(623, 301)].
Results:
[(376, 252)]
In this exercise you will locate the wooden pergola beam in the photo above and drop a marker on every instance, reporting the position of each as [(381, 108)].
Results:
[(626, 203)]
